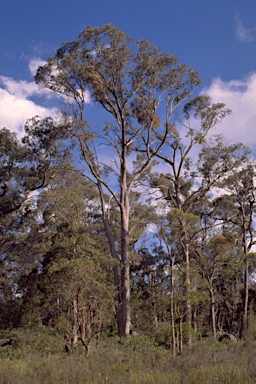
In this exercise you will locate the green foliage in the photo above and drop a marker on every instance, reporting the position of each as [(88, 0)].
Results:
[(37, 340), (29, 166), (194, 260), (26, 168), (163, 335)]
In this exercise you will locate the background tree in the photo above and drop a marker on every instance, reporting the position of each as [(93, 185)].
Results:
[(150, 287), (238, 212), (213, 262), (190, 177), (26, 168), (70, 289)]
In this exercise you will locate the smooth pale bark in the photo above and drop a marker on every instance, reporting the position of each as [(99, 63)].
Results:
[(75, 325), (188, 308), (213, 319), (245, 302), (174, 352), (124, 310), (180, 335), (244, 322)]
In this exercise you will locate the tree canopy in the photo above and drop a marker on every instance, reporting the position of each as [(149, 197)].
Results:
[(138, 220)]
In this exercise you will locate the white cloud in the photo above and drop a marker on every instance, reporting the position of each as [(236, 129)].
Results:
[(18, 100), (20, 89), (240, 97), (34, 64), (14, 111), (16, 106), (243, 34)]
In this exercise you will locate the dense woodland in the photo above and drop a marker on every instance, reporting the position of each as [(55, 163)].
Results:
[(141, 222)]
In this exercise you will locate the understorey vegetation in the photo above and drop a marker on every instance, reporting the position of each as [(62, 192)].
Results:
[(35, 356), (130, 230)]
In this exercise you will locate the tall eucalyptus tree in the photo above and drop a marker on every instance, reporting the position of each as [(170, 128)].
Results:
[(138, 88)]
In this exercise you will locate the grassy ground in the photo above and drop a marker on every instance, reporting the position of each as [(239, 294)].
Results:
[(37, 358)]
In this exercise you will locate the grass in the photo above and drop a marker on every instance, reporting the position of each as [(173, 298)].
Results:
[(37, 358)]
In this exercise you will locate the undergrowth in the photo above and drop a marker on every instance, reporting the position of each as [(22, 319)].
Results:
[(38, 357)]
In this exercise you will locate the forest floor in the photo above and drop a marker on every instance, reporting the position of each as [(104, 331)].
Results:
[(38, 358)]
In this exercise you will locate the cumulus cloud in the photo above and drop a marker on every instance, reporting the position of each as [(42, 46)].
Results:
[(21, 89), (19, 100), (16, 105), (240, 97)]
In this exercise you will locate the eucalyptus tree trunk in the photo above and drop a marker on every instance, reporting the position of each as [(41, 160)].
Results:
[(180, 335), (124, 310), (212, 311), (75, 325), (244, 322), (174, 352), (188, 308), (247, 216)]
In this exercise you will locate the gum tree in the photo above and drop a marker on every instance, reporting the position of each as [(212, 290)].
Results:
[(136, 89), (26, 167), (193, 168), (237, 209)]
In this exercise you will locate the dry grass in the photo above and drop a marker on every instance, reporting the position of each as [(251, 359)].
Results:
[(133, 361)]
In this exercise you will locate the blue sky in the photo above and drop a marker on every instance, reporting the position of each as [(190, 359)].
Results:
[(216, 37)]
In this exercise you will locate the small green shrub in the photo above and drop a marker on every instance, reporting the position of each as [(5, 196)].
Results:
[(163, 335), (42, 341)]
